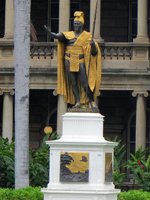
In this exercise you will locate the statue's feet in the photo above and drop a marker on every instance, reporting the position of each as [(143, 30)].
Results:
[(93, 104), (77, 105)]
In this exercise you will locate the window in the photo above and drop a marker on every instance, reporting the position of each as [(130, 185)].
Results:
[(44, 12), (2, 17), (53, 19), (114, 20), (132, 20)]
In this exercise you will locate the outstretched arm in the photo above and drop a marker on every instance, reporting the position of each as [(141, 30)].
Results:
[(58, 36)]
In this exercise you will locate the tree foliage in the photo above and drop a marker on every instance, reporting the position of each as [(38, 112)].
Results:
[(39, 162)]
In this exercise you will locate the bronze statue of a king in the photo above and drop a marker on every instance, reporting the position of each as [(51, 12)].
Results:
[(79, 65)]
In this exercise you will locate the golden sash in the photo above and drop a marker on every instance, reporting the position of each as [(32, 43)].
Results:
[(74, 57)]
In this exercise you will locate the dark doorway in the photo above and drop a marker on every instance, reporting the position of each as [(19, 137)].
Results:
[(117, 107)]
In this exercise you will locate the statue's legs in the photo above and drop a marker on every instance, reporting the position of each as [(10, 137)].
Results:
[(84, 82), (73, 79)]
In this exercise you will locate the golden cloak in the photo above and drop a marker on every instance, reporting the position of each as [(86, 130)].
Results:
[(92, 65)]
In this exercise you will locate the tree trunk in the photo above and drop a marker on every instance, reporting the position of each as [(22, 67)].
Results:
[(22, 58)]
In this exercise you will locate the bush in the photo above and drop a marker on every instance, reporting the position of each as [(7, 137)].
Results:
[(134, 195), (31, 193), (6, 163), (119, 164), (28, 193), (39, 164), (139, 166)]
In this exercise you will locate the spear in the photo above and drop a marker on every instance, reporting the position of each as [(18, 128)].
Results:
[(94, 22)]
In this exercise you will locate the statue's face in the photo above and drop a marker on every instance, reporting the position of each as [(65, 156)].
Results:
[(77, 26)]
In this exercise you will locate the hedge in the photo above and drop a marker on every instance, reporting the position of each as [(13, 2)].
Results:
[(28, 193), (134, 195), (31, 193)]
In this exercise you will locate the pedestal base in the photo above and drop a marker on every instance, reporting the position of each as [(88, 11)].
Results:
[(81, 161), (80, 195)]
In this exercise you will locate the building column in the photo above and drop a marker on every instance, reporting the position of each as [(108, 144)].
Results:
[(9, 19), (97, 30), (61, 109), (64, 15), (64, 18), (140, 134), (7, 120), (142, 22)]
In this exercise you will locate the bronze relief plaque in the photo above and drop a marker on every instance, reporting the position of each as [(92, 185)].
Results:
[(74, 167), (108, 167)]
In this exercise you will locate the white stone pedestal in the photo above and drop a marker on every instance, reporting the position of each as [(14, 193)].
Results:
[(82, 137)]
